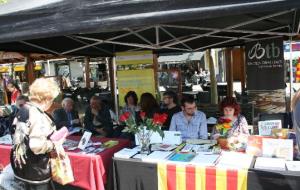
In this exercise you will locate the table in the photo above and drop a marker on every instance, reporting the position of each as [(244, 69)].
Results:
[(90, 171), (136, 175)]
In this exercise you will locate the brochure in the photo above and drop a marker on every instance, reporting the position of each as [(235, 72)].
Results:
[(126, 153), (60, 134), (84, 140), (269, 163), (234, 160), (164, 147), (157, 156), (205, 159), (293, 165)]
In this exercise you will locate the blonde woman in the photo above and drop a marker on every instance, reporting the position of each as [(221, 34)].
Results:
[(33, 128)]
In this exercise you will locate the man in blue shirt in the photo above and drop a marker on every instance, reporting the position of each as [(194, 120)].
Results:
[(190, 122)]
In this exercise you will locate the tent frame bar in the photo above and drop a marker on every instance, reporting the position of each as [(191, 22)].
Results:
[(214, 30), (40, 47), (169, 44), (246, 36)]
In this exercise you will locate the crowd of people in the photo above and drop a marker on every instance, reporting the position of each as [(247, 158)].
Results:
[(183, 116), (200, 76), (32, 126)]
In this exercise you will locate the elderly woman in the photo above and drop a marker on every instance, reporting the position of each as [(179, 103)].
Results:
[(31, 139), (231, 111)]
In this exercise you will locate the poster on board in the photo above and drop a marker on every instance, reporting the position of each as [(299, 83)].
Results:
[(135, 73), (265, 64)]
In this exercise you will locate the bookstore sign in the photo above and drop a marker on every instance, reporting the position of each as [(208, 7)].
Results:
[(265, 64)]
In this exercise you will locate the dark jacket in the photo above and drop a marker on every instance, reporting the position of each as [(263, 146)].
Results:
[(61, 118), (103, 117), (36, 168), (170, 113)]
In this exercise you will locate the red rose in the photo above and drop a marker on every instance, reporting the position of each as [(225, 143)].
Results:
[(227, 120), (164, 117), (142, 115), (224, 120), (124, 117), (159, 119)]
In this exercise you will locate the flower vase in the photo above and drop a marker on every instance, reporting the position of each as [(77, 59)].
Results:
[(144, 140), (223, 142)]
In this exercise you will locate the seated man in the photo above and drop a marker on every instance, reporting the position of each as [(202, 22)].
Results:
[(66, 116), (170, 107), (190, 122), (97, 118)]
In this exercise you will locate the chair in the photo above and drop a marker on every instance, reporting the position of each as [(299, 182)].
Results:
[(203, 97)]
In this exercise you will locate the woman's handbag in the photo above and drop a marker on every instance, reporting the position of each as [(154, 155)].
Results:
[(61, 168)]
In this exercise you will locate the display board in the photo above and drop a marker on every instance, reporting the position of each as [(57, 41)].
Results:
[(135, 73), (265, 64)]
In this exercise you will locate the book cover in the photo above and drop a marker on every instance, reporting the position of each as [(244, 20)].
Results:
[(254, 145), (278, 148), (182, 157), (265, 127), (280, 133)]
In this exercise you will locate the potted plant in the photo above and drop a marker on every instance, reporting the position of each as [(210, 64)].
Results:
[(223, 127)]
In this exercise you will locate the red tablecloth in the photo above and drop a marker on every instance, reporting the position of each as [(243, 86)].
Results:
[(90, 171)]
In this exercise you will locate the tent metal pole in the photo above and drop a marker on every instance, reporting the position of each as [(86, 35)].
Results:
[(157, 35), (230, 37), (83, 47), (49, 71), (114, 69), (176, 39), (140, 36), (85, 43), (118, 43), (181, 49), (131, 44), (102, 41), (291, 74), (40, 47), (231, 40), (230, 30), (167, 41), (232, 27)]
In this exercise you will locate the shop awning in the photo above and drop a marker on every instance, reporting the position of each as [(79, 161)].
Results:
[(101, 28)]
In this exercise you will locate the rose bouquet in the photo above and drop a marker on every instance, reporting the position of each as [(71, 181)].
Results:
[(223, 127), (145, 128), (230, 140)]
